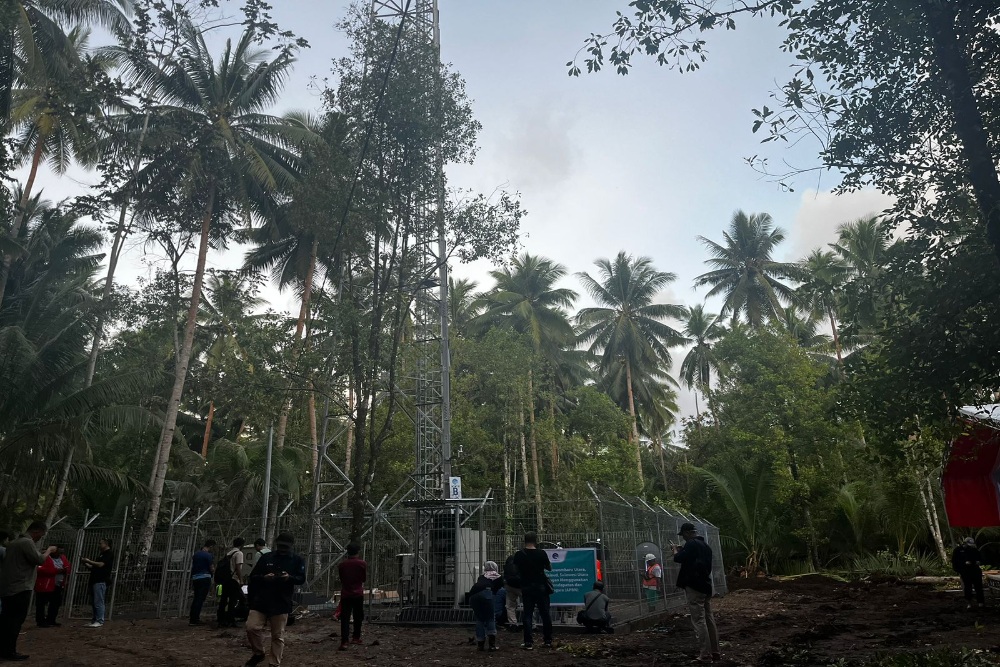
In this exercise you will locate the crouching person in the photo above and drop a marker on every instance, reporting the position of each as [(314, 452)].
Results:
[(481, 601), (272, 584), (596, 614)]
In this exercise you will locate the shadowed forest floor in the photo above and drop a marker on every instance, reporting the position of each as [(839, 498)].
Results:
[(812, 620)]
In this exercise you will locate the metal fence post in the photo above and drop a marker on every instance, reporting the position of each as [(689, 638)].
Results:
[(602, 553), (164, 566), (118, 565), (75, 573)]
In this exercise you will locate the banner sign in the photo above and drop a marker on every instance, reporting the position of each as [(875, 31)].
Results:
[(573, 574)]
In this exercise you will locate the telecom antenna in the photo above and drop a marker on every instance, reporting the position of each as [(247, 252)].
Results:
[(430, 376)]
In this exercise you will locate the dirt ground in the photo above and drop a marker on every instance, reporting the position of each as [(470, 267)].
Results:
[(809, 621)]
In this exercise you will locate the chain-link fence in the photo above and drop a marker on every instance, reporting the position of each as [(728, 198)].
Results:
[(422, 557)]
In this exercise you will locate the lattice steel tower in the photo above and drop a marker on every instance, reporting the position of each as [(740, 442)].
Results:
[(432, 358)]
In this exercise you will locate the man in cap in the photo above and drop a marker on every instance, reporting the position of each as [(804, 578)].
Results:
[(272, 585), (695, 577), (966, 561), (651, 578)]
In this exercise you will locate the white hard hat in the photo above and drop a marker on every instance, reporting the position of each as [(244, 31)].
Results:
[(650, 557)]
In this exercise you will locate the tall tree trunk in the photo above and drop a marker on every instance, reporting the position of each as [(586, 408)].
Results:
[(793, 469), (554, 446), (635, 423), (969, 127), (509, 485), (162, 460), (286, 407), (836, 337), (930, 509), (534, 452), (350, 433), (524, 451), (22, 210), (711, 408), (663, 464)]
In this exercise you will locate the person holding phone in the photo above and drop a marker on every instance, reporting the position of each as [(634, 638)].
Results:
[(100, 579), (272, 585)]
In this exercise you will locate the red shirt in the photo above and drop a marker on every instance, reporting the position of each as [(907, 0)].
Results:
[(353, 574)]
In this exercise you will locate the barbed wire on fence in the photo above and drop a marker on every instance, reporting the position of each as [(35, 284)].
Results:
[(422, 557)]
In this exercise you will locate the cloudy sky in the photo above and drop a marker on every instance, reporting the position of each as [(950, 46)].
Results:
[(644, 163)]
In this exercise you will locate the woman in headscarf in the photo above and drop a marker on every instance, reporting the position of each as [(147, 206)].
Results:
[(481, 601)]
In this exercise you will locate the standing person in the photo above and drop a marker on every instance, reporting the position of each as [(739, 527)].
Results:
[(49, 586), (229, 575), (100, 577), (596, 613), (259, 549), (272, 585), (202, 571), (651, 581), (353, 575), (532, 563), (695, 577), (19, 569), (967, 562), (481, 600), (512, 585)]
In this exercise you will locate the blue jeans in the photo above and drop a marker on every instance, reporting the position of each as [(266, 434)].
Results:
[(99, 591), (486, 620)]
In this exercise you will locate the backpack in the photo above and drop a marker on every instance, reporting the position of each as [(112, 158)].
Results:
[(512, 573), (224, 572)]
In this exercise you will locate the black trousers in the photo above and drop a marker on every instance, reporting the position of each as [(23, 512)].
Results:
[(351, 607), (536, 600), (973, 581), (200, 587), (15, 610), (47, 606), (232, 594)]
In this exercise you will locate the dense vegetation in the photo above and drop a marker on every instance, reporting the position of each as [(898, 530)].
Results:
[(825, 386)]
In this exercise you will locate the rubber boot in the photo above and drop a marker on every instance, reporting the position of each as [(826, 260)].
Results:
[(493, 642), (482, 645)]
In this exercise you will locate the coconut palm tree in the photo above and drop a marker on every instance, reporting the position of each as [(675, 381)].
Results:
[(464, 304), (526, 300), (32, 32), (824, 275), (627, 327), (217, 151), (863, 246), (701, 331), (744, 271), (804, 328), (45, 409), (52, 118)]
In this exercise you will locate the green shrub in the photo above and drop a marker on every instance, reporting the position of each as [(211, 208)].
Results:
[(892, 564)]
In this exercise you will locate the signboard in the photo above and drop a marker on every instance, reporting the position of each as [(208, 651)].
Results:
[(454, 488), (573, 574)]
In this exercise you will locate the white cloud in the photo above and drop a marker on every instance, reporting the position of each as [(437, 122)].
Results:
[(820, 213)]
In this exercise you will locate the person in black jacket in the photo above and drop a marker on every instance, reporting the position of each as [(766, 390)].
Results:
[(966, 561), (532, 563), (272, 584), (481, 600), (695, 577)]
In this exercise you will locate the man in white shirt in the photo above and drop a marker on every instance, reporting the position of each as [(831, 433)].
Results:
[(259, 548)]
